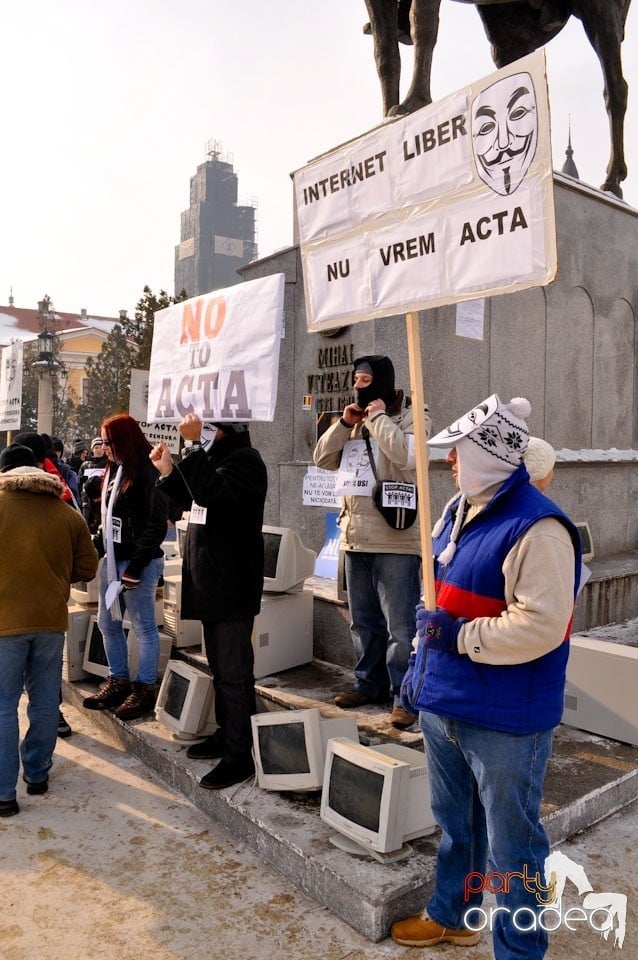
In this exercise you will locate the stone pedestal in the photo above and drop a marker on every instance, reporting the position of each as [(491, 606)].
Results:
[(570, 348)]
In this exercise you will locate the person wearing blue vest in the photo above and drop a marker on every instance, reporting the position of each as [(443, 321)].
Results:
[(487, 678)]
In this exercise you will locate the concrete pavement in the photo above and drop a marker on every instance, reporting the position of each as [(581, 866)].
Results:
[(112, 863)]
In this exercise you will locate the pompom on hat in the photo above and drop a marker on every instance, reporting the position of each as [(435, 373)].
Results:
[(539, 458)]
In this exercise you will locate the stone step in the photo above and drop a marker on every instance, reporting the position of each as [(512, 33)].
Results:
[(588, 779)]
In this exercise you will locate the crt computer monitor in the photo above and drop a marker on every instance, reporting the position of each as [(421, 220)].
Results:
[(181, 527), (290, 747), (287, 562), (377, 798), (86, 591), (95, 661), (185, 702)]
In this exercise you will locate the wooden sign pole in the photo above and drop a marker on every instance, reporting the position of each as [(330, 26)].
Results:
[(422, 470)]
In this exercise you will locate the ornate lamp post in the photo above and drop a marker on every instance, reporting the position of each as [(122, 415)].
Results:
[(46, 366)]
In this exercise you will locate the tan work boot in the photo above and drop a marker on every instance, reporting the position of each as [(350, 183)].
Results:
[(401, 719), (422, 931)]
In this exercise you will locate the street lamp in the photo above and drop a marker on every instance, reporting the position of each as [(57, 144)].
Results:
[(45, 367)]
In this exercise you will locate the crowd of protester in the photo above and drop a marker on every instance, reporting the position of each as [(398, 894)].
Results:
[(481, 669)]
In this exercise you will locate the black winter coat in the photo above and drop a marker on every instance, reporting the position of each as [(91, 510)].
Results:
[(223, 563), (143, 510)]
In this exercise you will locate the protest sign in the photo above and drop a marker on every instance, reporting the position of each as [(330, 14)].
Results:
[(218, 355), (11, 386), (168, 433), (449, 203)]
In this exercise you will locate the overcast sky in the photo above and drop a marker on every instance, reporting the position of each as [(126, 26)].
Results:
[(107, 110)]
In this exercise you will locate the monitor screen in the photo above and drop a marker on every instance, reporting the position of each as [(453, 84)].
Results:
[(290, 746), (272, 543), (355, 793), (586, 543), (175, 696), (181, 526), (376, 798), (95, 651), (186, 701), (282, 748)]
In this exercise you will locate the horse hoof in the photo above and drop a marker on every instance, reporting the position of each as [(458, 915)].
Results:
[(610, 186), (409, 105)]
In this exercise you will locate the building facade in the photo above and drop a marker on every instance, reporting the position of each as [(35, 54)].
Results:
[(217, 234)]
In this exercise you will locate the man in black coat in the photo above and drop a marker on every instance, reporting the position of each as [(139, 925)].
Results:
[(224, 487)]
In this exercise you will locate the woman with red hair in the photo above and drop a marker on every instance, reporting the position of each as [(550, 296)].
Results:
[(133, 525)]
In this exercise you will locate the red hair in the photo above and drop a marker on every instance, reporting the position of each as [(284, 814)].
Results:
[(129, 446)]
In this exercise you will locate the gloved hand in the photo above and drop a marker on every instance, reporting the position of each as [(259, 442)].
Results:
[(410, 681), (129, 582), (437, 630)]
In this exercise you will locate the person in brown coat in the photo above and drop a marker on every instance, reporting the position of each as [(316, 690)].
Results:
[(46, 546)]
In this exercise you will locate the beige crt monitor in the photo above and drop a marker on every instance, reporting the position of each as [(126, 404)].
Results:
[(600, 693), (75, 643), (282, 634), (185, 633), (95, 662)]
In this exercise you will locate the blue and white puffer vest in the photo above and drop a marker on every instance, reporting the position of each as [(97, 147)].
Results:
[(522, 698)]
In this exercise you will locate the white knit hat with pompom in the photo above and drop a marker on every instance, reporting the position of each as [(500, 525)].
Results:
[(497, 427), (490, 441)]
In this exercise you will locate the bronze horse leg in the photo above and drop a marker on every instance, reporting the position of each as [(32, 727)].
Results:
[(604, 24), (385, 34), (424, 28), (514, 31)]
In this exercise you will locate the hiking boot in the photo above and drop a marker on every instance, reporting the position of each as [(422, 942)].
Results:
[(64, 730), (401, 719), (422, 931), (209, 749), (111, 694), (139, 703), (227, 773)]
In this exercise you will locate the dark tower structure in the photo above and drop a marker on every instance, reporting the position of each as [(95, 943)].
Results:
[(217, 235), (569, 167)]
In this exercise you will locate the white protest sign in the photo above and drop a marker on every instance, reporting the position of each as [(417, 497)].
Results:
[(449, 203), (11, 386), (319, 488), (218, 355)]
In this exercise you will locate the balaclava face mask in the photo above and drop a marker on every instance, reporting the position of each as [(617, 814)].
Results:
[(382, 386)]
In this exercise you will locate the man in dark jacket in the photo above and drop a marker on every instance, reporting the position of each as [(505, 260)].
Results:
[(223, 573)]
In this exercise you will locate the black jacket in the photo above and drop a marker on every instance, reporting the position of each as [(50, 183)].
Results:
[(143, 510), (223, 563)]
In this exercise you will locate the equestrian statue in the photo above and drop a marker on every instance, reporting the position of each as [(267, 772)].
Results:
[(514, 28)]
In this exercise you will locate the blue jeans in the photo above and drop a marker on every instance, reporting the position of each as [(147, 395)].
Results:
[(139, 606), (383, 591), (31, 662), (486, 791)]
